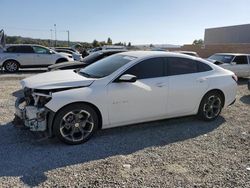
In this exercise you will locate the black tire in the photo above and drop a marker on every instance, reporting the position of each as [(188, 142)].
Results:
[(11, 66), (61, 60), (73, 121), (210, 106)]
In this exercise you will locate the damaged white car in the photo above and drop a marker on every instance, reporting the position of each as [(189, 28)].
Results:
[(125, 88)]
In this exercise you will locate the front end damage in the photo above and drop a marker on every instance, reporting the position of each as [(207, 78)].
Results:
[(30, 109)]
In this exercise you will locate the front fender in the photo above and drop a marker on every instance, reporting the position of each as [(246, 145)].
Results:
[(80, 95)]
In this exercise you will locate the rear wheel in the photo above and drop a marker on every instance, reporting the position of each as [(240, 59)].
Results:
[(11, 66), (211, 106), (75, 124)]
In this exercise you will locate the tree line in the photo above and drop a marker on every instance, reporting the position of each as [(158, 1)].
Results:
[(61, 43)]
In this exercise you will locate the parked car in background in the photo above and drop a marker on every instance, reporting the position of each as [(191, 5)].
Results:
[(85, 61), (188, 53), (238, 63), (74, 53), (125, 88), (107, 47), (29, 56)]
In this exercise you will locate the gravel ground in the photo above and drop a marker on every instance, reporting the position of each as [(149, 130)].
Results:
[(182, 152)]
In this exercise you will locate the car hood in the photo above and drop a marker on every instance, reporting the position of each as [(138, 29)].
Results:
[(65, 64), (57, 80)]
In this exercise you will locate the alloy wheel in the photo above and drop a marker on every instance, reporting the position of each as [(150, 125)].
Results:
[(212, 107), (11, 66), (76, 125)]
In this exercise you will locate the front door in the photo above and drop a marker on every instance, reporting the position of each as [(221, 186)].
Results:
[(42, 57), (239, 66), (142, 100)]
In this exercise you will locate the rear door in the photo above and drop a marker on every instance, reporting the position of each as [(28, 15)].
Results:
[(186, 85), (24, 55)]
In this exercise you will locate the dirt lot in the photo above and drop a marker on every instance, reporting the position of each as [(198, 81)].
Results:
[(181, 152)]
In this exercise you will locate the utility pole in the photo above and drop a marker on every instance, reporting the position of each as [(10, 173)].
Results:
[(68, 37), (51, 38), (55, 35)]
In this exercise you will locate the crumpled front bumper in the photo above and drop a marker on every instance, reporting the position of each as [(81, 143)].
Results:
[(32, 117)]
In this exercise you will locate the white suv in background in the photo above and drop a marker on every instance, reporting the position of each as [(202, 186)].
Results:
[(29, 56), (237, 63)]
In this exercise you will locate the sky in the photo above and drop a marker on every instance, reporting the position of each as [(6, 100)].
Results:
[(136, 21)]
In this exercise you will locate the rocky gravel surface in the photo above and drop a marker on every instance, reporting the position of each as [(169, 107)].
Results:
[(182, 152)]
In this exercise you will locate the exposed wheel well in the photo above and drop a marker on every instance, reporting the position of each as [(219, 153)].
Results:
[(89, 104), (220, 93), (61, 60)]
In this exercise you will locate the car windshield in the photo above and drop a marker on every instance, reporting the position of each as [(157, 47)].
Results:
[(106, 66), (222, 58)]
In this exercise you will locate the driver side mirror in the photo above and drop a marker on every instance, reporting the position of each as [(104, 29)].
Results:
[(127, 78), (51, 52)]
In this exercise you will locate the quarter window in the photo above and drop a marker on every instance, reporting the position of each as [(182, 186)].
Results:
[(150, 68), (11, 49)]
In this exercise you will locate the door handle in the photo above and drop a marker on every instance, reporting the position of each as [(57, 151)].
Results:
[(160, 84)]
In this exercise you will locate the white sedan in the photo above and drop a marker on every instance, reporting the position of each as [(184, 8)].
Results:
[(122, 89)]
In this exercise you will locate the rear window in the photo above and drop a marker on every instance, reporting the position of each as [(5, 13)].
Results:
[(20, 49), (178, 66), (11, 49)]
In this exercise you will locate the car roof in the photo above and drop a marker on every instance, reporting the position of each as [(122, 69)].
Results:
[(144, 54), (9, 45), (234, 54)]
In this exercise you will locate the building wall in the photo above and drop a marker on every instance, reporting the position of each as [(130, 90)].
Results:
[(228, 35), (209, 50)]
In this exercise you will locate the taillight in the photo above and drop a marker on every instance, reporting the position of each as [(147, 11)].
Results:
[(235, 78)]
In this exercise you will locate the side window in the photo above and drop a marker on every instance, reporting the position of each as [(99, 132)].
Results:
[(239, 60), (24, 49), (177, 66), (249, 59), (40, 50), (150, 68), (11, 49), (202, 67)]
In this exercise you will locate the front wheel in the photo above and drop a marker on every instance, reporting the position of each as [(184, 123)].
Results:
[(211, 106), (75, 124)]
